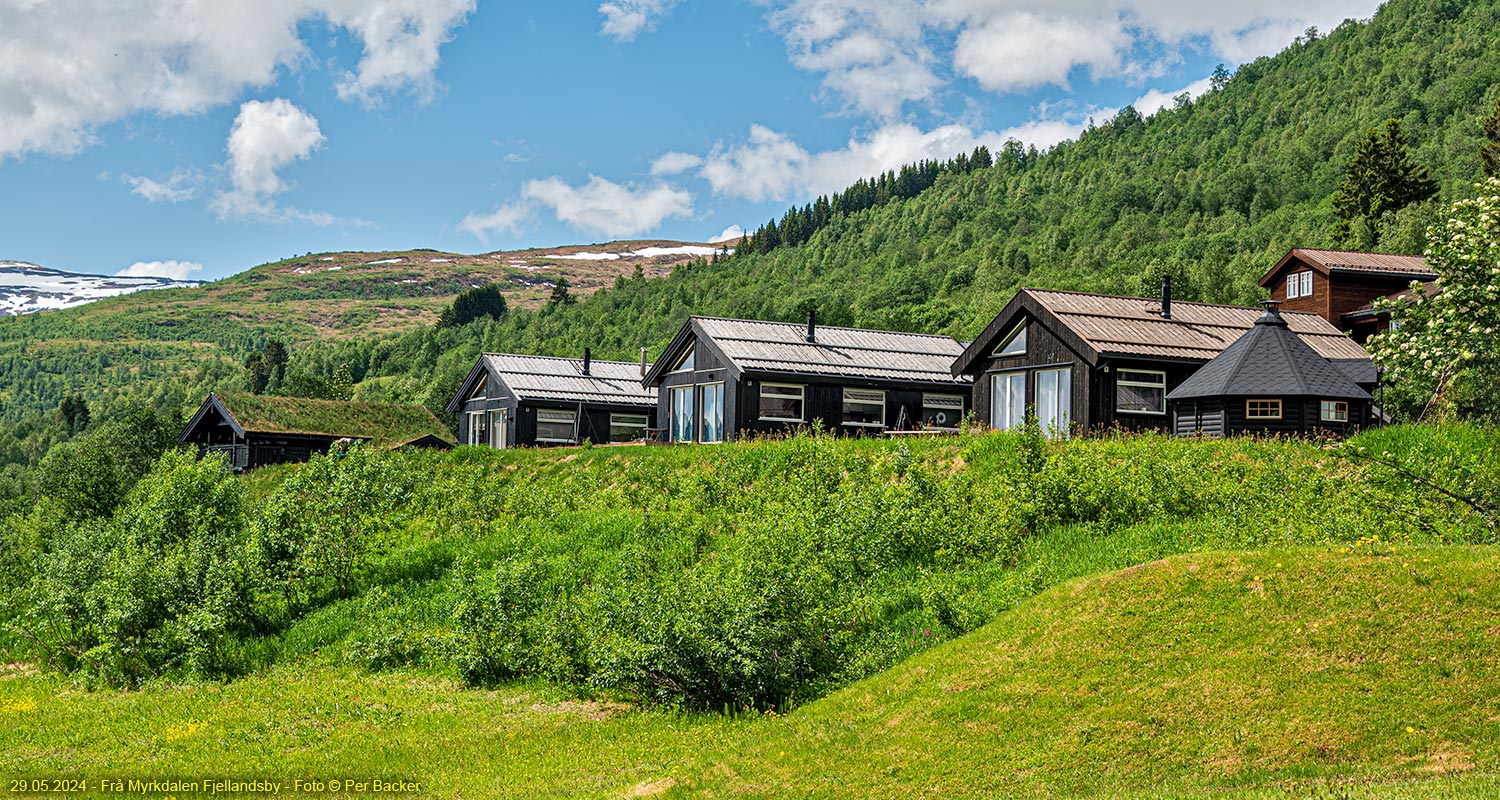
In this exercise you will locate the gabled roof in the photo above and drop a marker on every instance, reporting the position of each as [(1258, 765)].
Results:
[(1403, 296), (782, 347), (1099, 326), (1269, 361), (560, 380), (1350, 262), (383, 424)]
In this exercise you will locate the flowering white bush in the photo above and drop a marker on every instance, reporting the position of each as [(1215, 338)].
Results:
[(1444, 351)]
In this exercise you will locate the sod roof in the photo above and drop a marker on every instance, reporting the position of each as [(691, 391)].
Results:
[(385, 424)]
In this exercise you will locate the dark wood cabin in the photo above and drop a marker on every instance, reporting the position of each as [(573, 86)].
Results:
[(257, 430), (1088, 361), (535, 401), (723, 378), (1269, 381), (1342, 286)]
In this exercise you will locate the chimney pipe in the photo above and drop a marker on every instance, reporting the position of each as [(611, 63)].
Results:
[(588, 358), (643, 362), (1166, 297), (812, 325)]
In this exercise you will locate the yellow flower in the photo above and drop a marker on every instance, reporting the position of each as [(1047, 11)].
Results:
[(1410, 729), (24, 705)]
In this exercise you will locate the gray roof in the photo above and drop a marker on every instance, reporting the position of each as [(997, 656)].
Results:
[(562, 379), (782, 347), (1270, 361)]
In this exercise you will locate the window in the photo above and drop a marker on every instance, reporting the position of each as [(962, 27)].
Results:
[(627, 427), (479, 391), (780, 402), (864, 408), (1299, 284), (1141, 391), (942, 410), (477, 432), (1335, 411), (499, 428), (682, 414), (1016, 344), (686, 364), (553, 425), (1007, 400), (1054, 401), (1307, 284), (713, 413), (1262, 409)]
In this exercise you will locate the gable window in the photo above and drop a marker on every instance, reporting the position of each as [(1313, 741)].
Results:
[(864, 408), (479, 391), (1007, 400), (713, 413), (627, 427), (781, 402), (686, 364), (682, 414), (1141, 391), (1334, 411), (942, 410), (1016, 344), (1262, 409), (1299, 284), (553, 425)]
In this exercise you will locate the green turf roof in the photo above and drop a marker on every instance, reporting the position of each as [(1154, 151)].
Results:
[(386, 424)]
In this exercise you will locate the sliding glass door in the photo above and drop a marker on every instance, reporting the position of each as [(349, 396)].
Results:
[(1054, 401)]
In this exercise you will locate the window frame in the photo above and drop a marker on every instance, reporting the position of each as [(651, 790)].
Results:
[(702, 416), (642, 428), (1016, 336), (1269, 403), (572, 420), (958, 408), (1009, 377), (1120, 381), (844, 408), (674, 395), (687, 363), (1340, 411), (801, 398), (1061, 424), (1307, 284), (478, 435)]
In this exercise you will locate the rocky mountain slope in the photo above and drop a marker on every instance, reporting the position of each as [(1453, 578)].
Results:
[(25, 288)]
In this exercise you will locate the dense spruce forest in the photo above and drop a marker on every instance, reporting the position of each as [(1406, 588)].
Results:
[(1211, 191)]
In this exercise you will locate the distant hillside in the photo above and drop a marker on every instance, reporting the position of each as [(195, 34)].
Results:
[(25, 288)]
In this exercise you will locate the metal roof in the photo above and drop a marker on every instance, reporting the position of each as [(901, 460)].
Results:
[(1387, 265), (562, 379), (1269, 360), (837, 352), (1133, 326)]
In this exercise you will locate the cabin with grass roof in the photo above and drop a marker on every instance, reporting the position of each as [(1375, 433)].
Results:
[(258, 430)]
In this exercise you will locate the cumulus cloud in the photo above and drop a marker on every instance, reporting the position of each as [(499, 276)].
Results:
[(265, 138), (733, 233), (508, 218), (877, 58), (176, 270), (623, 19), (181, 185), (608, 208), (674, 163), (1156, 99), (69, 66)]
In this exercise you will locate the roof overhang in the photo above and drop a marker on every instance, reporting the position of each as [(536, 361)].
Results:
[(689, 333), (464, 388), (213, 403), (969, 362)]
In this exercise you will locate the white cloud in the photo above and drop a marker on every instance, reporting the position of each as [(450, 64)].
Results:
[(610, 209), (872, 55), (1156, 99), (733, 233), (176, 270), (266, 137), (623, 19), (674, 163), (181, 185), (1015, 52), (69, 66), (509, 218)]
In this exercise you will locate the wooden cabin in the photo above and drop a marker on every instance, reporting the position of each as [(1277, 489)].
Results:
[(257, 430), (1342, 286), (1083, 361), (722, 378), (1269, 381), (535, 401)]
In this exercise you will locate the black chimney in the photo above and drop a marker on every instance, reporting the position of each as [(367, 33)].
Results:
[(643, 362), (588, 358), (812, 325), (1166, 297)]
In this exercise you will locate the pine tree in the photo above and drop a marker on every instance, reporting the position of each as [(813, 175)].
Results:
[(1379, 179), (1489, 150), (560, 294), (276, 355)]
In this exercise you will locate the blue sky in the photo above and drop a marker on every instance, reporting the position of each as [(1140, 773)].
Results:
[(197, 140)]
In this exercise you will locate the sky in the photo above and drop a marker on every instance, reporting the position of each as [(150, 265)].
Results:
[(198, 138)]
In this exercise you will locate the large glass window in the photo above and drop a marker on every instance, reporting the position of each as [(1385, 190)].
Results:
[(553, 425), (1007, 400), (1016, 344), (1054, 401), (1335, 411), (942, 410), (628, 427), (477, 433), (1140, 391), (499, 428), (713, 413), (864, 408), (682, 414), (780, 402)]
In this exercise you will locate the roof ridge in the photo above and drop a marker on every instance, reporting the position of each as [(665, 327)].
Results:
[(560, 358), (1175, 301), (821, 326)]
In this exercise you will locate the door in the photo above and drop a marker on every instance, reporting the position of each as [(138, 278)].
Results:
[(1054, 401), (682, 414), (500, 428), (1007, 400)]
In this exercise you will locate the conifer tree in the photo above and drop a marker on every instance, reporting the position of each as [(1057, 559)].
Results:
[(1379, 179), (1489, 149)]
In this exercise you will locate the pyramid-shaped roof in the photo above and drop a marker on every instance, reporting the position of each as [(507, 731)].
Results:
[(1269, 361)]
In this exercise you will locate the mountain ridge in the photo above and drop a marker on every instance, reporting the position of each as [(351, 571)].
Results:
[(27, 287)]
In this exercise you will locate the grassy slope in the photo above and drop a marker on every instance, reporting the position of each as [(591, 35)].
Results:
[(1301, 673)]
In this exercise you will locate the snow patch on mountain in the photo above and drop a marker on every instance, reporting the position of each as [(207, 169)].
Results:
[(25, 288)]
